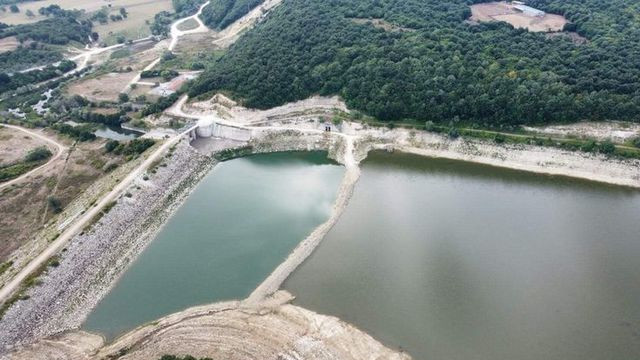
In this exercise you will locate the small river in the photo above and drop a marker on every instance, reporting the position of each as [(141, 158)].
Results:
[(451, 260), (238, 225)]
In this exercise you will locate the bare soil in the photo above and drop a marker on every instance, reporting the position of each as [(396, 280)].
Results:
[(8, 44), (381, 24), (102, 88), (15, 144), (503, 11)]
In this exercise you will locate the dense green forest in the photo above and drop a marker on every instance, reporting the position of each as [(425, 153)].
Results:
[(440, 68), (186, 7), (221, 13)]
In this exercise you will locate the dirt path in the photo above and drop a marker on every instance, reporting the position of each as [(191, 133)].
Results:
[(61, 148), (175, 36), (14, 284)]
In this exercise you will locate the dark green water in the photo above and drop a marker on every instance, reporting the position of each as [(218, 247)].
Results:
[(450, 260), (238, 225)]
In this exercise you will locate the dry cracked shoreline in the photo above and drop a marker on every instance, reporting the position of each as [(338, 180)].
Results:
[(93, 261)]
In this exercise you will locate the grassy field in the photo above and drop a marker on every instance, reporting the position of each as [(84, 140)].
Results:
[(133, 27)]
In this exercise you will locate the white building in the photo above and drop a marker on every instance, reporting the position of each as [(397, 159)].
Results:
[(528, 10)]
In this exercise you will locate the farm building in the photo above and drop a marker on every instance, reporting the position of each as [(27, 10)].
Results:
[(528, 10)]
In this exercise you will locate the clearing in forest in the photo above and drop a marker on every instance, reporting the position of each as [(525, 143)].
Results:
[(507, 12)]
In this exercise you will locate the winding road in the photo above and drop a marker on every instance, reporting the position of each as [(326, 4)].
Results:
[(61, 148)]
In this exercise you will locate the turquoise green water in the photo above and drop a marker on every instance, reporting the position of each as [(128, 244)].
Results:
[(241, 221), (450, 261)]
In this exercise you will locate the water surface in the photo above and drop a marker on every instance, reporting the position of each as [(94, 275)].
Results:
[(450, 260), (238, 225), (116, 133)]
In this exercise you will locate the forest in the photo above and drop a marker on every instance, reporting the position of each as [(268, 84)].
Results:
[(21, 79), (221, 13), (440, 68)]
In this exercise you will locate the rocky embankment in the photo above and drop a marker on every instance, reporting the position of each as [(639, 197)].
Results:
[(94, 259), (272, 329)]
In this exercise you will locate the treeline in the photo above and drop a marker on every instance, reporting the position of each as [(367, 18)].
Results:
[(221, 13), (164, 74), (28, 56), (12, 82), (60, 29), (446, 70), (160, 105), (80, 132), (133, 147), (186, 7)]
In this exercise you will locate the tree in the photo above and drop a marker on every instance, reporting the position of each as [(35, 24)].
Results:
[(121, 39), (123, 97), (14, 8), (95, 36), (30, 13), (123, 12)]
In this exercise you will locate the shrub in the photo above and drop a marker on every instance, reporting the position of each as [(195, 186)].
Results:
[(607, 147), (111, 145), (55, 204), (38, 154)]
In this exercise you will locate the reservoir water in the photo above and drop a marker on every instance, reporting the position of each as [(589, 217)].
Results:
[(116, 133), (450, 261), (240, 222)]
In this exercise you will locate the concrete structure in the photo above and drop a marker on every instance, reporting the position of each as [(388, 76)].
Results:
[(208, 127), (528, 10)]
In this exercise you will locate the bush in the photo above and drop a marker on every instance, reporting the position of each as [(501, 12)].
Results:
[(111, 145), (453, 133), (607, 147), (38, 154), (636, 142), (55, 204), (122, 97)]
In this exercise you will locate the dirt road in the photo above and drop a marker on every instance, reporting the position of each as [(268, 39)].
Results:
[(61, 148)]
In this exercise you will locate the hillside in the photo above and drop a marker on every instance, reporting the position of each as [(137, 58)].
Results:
[(221, 13), (427, 63)]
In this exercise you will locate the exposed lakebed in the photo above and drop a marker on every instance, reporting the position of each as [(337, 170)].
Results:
[(240, 222), (452, 260)]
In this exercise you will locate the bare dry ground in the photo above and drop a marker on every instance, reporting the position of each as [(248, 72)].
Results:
[(14, 145), (106, 87), (616, 131), (8, 44), (24, 206), (503, 11), (102, 88), (381, 24)]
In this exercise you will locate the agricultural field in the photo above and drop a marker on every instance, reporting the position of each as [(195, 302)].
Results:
[(134, 26), (505, 12)]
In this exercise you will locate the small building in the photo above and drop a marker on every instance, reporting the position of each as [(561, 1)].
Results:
[(528, 10)]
